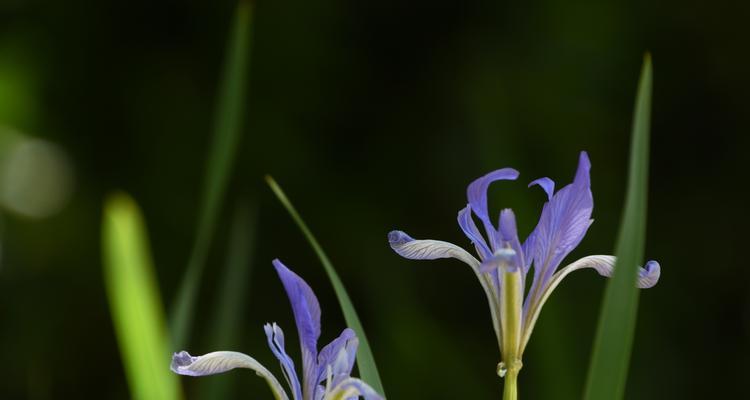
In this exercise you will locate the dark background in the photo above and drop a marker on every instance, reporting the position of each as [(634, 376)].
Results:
[(375, 115)]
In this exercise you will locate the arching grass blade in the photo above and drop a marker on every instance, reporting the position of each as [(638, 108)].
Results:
[(368, 371), (612, 346)]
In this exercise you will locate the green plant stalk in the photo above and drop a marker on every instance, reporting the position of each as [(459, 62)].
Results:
[(135, 304), (510, 392), (511, 306), (610, 357)]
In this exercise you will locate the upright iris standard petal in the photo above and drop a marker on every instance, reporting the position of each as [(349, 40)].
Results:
[(306, 311), (305, 306), (565, 220), (476, 193), (547, 184), (563, 224), (477, 190)]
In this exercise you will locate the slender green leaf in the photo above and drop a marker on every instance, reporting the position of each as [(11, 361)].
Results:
[(135, 303), (231, 298), (226, 137), (368, 371), (612, 346)]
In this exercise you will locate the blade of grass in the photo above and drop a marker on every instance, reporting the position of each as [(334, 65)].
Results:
[(611, 353), (226, 137), (368, 371), (135, 303), (231, 296)]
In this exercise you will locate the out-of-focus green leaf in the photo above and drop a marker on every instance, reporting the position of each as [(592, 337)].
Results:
[(368, 371), (231, 297), (611, 353), (226, 137), (135, 303)]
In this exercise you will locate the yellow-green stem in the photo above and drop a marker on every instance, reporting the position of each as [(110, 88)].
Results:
[(510, 391), (511, 306)]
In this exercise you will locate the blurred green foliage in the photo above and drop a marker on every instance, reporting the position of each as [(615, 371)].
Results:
[(225, 139), (376, 115), (613, 344), (134, 298), (231, 296)]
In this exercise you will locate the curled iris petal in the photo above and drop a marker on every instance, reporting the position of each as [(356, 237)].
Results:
[(477, 190), (547, 184), (408, 247), (221, 361), (604, 265)]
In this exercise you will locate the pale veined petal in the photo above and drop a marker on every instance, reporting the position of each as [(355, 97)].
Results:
[(352, 387), (221, 361), (604, 265), (415, 249)]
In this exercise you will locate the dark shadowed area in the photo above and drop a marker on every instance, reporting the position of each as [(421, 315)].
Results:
[(373, 116)]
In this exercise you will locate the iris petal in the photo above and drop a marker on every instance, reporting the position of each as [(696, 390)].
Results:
[(648, 276), (276, 342), (509, 236), (604, 265), (477, 190), (306, 311), (547, 184), (476, 193), (466, 222), (221, 361), (353, 388), (562, 225), (565, 219), (414, 249), (330, 355)]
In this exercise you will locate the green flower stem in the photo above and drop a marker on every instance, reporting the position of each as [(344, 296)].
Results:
[(511, 387), (512, 305)]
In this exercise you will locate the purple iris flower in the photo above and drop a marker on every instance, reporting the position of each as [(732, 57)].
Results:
[(325, 374), (505, 262)]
